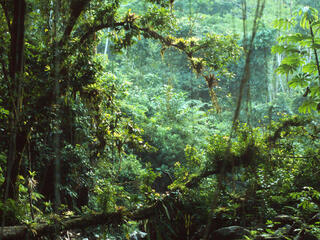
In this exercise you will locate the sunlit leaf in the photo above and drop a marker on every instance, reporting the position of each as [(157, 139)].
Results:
[(310, 68), (308, 106)]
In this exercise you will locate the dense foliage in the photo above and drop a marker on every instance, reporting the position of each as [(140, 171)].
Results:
[(127, 109)]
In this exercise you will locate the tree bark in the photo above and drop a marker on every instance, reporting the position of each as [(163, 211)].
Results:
[(17, 136)]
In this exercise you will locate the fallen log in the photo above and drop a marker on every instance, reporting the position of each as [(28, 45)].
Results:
[(34, 231), (40, 229), (57, 225)]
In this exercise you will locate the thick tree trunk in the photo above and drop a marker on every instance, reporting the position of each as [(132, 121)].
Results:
[(10, 182), (17, 138)]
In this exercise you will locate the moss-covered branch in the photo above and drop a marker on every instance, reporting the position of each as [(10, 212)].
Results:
[(285, 125)]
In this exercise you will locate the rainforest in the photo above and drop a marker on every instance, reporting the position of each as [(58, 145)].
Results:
[(159, 119)]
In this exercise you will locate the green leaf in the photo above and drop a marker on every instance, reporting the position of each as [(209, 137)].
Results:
[(277, 49), (315, 91), (310, 68), (293, 38), (316, 27), (300, 79), (306, 42), (308, 15), (308, 106), (286, 69), (284, 23), (293, 60)]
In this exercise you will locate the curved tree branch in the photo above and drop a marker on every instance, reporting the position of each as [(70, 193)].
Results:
[(76, 8), (97, 28)]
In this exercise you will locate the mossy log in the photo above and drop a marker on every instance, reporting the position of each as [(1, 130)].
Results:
[(56, 226), (35, 231)]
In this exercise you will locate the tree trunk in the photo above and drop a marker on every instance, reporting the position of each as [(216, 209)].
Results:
[(17, 136)]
